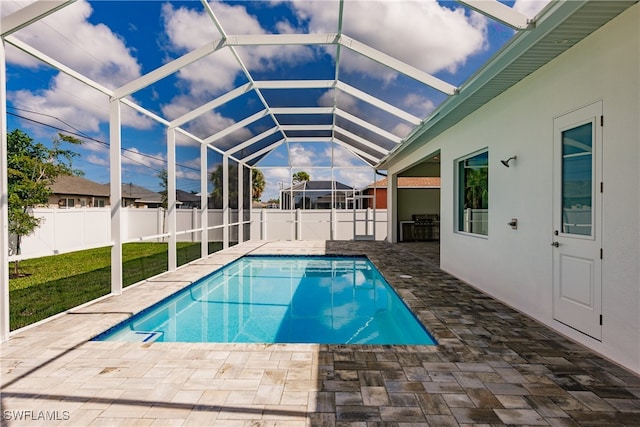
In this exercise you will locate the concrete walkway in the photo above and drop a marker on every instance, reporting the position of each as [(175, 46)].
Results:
[(493, 366)]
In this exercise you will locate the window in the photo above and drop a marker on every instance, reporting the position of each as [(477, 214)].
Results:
[(473, 194), (67, 203), (577, 180)]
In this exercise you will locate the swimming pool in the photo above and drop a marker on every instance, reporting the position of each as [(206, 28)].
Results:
[(276, 299)]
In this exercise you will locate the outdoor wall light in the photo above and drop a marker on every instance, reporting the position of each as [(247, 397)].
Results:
[(506, 162)]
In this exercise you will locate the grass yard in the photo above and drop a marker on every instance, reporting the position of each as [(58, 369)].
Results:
[(57, 283)]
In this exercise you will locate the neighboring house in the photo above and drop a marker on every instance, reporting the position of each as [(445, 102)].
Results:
[(187, 200), (429, 186), (78, 192), (135, 196), (316, 195), (540, 176)]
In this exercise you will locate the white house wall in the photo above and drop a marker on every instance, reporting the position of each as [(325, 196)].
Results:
[(515, 266)]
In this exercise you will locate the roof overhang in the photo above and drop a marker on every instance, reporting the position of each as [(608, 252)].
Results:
[(561, 25)]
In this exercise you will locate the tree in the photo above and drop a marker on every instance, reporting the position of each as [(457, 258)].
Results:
[(164, 177), (257, 183), (215, 177), (31, 169), (300, 177), (476, 188)]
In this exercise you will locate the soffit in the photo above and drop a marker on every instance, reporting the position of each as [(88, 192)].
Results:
[(564, 25)]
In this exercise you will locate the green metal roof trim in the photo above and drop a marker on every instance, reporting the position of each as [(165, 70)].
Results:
[(560, 26)]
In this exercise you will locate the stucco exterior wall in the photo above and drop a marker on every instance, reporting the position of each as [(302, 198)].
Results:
[(515, 266)]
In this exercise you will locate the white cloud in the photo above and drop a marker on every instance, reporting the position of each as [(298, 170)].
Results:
[(187, 174), (184, 140), (97, 160), (357, 178), (135, 157), (421, 106), (424, 34), (93, 50), (275, 179), (205, 125), (75, 103), (192, 163), (301, 155), (530, 8), (326, 99), (346, 102), (189, 29), (402, 130), (342, 157)]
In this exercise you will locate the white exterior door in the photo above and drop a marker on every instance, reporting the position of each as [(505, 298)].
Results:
[(577, 223)]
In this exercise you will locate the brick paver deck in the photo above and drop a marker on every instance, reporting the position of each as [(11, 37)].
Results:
[(493, 365)]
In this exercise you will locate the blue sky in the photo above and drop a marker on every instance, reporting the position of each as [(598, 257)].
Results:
[(114, 42)]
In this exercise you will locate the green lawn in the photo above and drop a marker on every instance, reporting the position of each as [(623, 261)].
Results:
[(60, 282)]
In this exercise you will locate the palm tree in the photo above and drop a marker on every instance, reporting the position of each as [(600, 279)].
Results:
[(257, 183), (215, 177), (300, 177)]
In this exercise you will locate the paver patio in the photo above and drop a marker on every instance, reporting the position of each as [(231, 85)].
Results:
[(493, 365)]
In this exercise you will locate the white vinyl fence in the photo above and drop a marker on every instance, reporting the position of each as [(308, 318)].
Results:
[(68, 230), (321, 224)]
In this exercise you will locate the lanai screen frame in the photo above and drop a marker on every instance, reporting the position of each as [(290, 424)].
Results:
[(373, 154)]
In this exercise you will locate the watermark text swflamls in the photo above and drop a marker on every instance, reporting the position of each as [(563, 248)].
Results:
[(33, 415)]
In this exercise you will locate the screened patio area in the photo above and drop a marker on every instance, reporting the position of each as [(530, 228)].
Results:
[(197, 97)]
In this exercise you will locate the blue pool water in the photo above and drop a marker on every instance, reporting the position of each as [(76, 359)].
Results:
[(258, 299)]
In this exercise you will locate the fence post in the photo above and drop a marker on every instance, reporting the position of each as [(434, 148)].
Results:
[(194, 223), (333, 224), (204, 203), (225, 201), (115, 194), (160, 222), (4, 206), (298, 222), (263, 224)]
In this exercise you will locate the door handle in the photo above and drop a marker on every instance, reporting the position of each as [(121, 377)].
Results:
[(555, 244)]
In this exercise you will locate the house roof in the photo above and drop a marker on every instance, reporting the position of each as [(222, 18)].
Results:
[(410, 182), (77, 185), (139, 194), (185, 196), (318, 186)]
